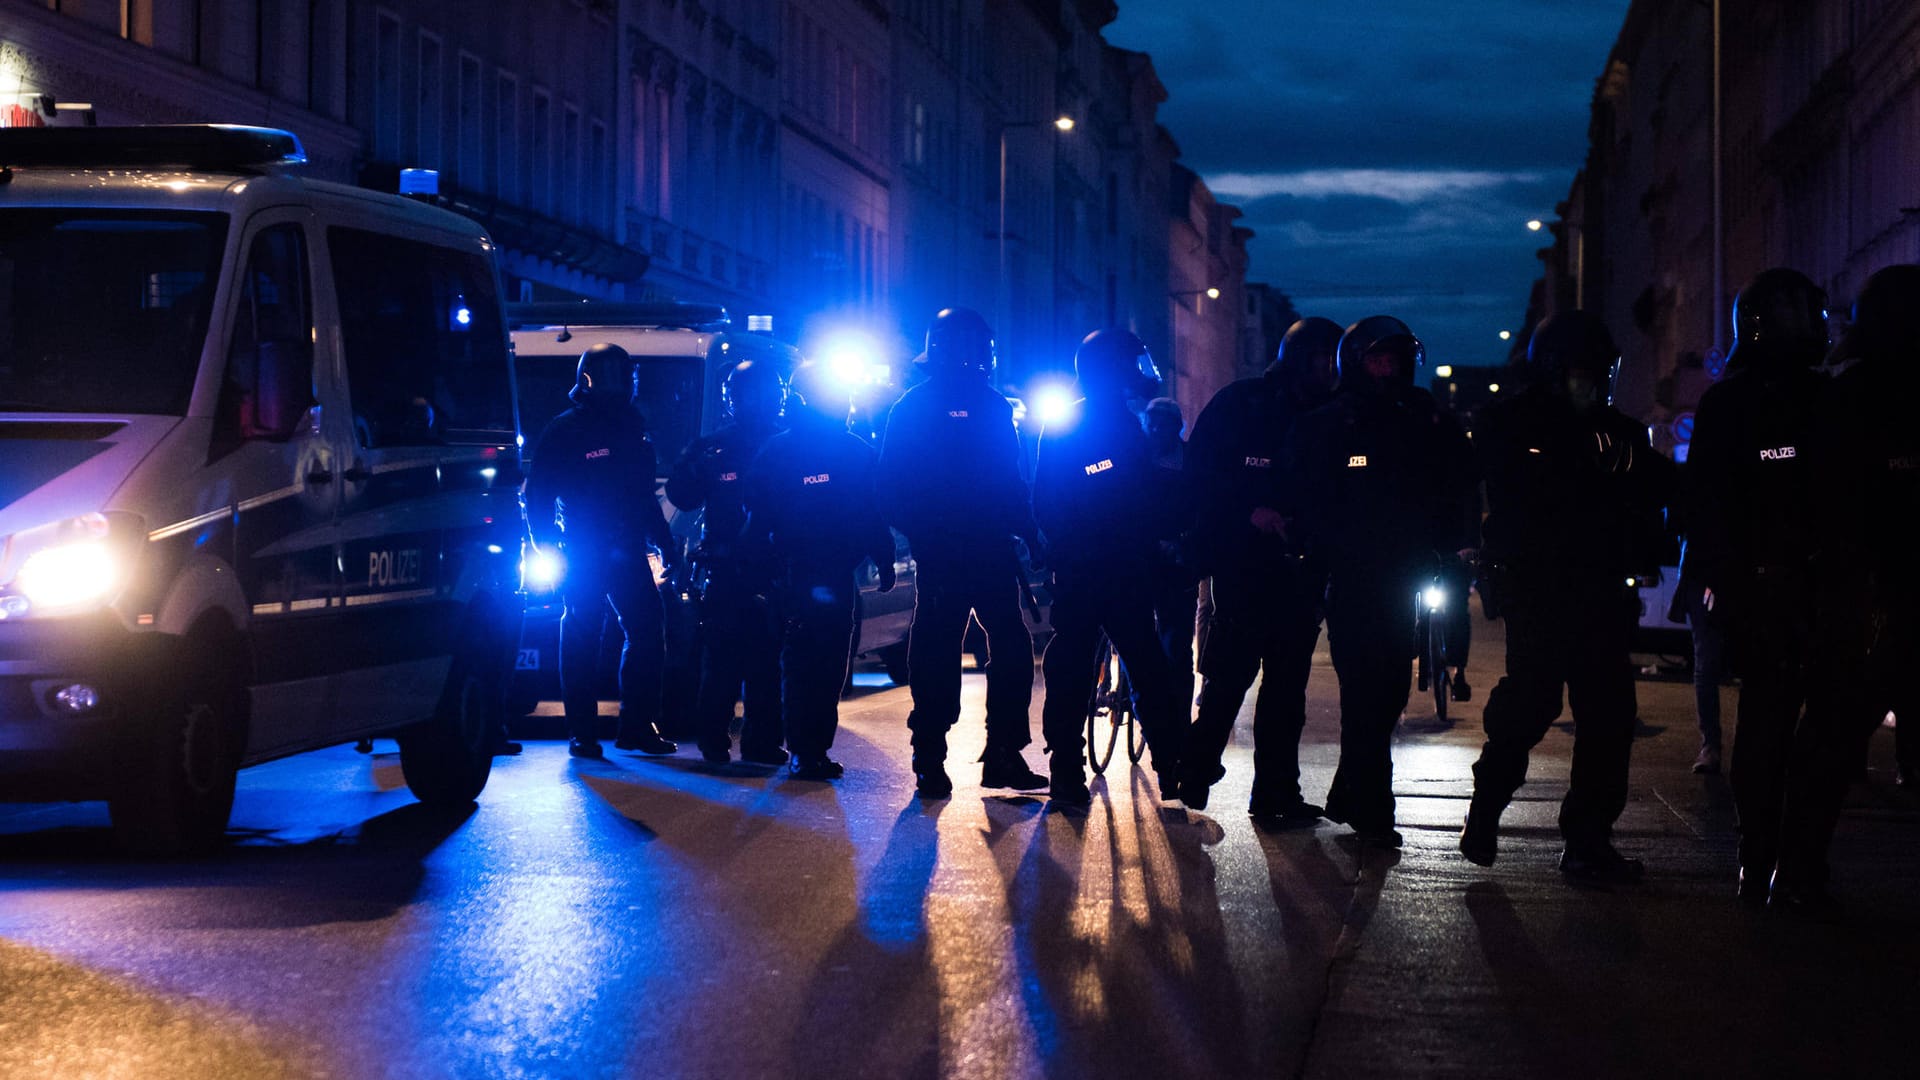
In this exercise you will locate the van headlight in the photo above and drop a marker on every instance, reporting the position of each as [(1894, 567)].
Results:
[(69, 566)]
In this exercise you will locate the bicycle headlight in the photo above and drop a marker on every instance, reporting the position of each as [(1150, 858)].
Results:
[(68, 567)]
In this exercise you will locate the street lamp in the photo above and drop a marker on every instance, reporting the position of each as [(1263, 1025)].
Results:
[(1535, 225), (1506, 335), (1062, 124)]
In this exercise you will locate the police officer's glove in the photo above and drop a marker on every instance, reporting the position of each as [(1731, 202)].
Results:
[(888, 576), (1613, 455)]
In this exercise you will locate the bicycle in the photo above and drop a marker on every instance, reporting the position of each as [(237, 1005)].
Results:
[(1112, 698), (1429, 605)]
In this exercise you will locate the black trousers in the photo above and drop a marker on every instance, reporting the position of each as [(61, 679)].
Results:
[(739, 657), (1085, 605), (816, 649), (1863, 661), (1772, 629), (1370, 634), (1262, 625), (1176, 599), (947, 590), (619, 577), (1571, 638)]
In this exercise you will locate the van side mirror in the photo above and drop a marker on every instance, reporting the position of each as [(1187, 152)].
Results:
[(282, 388)]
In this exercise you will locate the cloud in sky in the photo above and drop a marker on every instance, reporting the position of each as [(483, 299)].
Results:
[(1387, 153), (1394, 185)]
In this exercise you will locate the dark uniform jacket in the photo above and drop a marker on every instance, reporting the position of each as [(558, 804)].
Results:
[(1380, 484), (810, 498), (1236, 462), (712, 473), (1866, 480), (950, 469), (1748, 479), (593, 479), (1571, 495), (1093, 495)]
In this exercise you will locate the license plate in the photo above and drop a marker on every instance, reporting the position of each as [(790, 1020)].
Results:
[(528, 660)]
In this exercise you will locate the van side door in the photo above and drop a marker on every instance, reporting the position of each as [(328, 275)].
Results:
[(284, 483), (429, 504)]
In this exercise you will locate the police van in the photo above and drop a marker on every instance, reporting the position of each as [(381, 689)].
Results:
[(683, 353), (258, 475)]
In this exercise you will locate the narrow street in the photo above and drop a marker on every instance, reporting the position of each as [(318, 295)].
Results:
[(651, 917)]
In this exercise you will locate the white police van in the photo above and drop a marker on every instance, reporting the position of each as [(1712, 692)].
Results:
[(258, 475)]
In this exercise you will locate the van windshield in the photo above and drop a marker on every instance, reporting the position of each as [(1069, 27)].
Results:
[(669, 398), (104, 310)]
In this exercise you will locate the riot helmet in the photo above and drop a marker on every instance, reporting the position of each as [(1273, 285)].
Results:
[(823, 394), (1307, 362), (605, 377), (754, 394), (1379, 355), (1115, 364), (1886, 316), (1780, 318), (959, 340), (1572, 355)]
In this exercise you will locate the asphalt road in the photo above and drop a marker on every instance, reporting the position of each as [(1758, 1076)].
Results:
[(652, 917)]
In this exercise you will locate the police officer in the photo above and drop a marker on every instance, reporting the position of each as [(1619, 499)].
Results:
[(1175, 585), (810, 502), (1749, 544), (1103, 538), (1574, 493), (590, 496), (1267, 598), (1383, 488), (1865, 460), (739, 644), (950, 480)]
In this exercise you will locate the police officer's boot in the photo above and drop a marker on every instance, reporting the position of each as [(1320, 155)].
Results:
[(930, 778), (646, 739), (1067, 790), (1480, 838), (1002, 767)]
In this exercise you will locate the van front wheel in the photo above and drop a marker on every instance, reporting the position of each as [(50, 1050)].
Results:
[(173, 789), (448, 758)]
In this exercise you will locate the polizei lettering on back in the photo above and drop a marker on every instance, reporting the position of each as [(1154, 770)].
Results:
[(1357, 461), (1259, 463), (818, 478), (1778, 453), (1100, 466)]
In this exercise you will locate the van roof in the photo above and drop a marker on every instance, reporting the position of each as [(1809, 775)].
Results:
[(653, 341), (62, 177)]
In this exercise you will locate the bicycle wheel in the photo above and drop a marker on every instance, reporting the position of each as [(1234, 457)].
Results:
[(1136, 738), (1440, 675), (1103, 704)]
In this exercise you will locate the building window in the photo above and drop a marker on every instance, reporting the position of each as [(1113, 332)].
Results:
[(386, 87), (540, 153), (597, 186), (917, 135), (506, 150), (468, 162), (430, 83), (569, 181), (663, 151)]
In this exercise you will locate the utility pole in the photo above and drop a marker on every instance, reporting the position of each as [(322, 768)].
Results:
[(1719, 218)]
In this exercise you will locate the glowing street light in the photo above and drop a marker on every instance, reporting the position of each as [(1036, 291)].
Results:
[(1444, 371), (1213, 293), (1064, 123), (1506, 335), (1493, 388), (1535, 225)]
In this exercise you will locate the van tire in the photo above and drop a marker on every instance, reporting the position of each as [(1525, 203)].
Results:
[(174, 782), (448, 758)]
